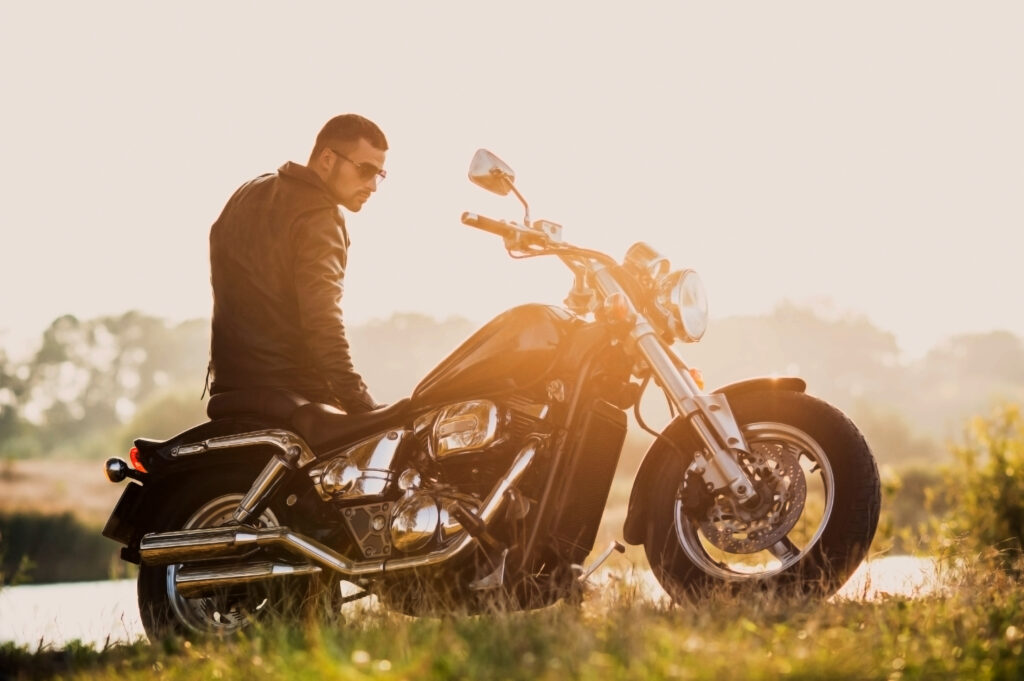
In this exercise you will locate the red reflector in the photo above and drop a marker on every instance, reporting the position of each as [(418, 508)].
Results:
[(136, 464)]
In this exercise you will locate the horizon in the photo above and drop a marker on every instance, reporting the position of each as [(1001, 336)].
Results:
[(22, 345)]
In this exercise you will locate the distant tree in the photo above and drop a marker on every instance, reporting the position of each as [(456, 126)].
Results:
[(844, 358), (91, 378), (965, 375), (890, 435), (92, 374), (995, 356)]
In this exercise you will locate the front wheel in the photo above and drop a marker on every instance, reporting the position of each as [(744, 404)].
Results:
[(819, 500)]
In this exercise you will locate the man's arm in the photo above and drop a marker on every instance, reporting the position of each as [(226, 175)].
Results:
[(320, 258)]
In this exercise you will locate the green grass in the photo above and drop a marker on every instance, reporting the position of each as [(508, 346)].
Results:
[(975, 631)]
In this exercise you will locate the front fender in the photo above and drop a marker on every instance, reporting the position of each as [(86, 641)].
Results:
[(633, 530)]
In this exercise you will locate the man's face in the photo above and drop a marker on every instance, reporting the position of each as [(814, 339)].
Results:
[(353, 175)]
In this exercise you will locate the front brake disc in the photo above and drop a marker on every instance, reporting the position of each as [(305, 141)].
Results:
[(782, 490)]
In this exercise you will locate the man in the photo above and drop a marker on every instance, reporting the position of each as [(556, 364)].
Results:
[(278, 253)]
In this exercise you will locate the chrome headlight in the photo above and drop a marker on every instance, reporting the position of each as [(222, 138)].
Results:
[(683, 299)]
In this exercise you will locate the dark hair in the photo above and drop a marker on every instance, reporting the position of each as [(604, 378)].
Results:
[(348, 129)]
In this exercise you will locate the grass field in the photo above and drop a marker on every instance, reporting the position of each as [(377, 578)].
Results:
[(975, 630)]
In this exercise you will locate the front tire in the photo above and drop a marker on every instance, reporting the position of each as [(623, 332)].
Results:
[(209, 499), (820, 500)]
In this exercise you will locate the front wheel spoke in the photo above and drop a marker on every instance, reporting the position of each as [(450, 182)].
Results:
[(784, 549)]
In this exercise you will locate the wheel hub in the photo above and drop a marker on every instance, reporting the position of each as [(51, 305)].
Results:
[(782, 490)]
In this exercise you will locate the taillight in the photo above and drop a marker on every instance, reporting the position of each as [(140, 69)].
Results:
[(136, 464)]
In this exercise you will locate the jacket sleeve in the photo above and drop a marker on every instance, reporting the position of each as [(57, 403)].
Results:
[(320, 259)]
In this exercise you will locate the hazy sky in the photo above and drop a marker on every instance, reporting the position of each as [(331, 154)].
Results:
[(870, 154)]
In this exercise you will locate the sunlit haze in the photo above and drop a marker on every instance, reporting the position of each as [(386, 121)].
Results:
[(863, 156)]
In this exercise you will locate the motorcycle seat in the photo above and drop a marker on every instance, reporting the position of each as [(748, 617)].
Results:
[(275, 404), (321, 424)]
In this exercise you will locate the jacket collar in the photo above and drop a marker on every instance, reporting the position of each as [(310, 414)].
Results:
[(297, 171), (302, 173)]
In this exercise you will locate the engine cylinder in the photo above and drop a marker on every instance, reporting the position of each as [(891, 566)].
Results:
[(415, 522), (362, 471)]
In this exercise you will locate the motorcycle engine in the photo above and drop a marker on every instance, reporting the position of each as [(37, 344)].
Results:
[(362, 471), (426, 514), (455, 457)]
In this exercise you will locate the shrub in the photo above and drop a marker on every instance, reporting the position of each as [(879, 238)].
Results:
[(986, 486), (43, 549), (915, 503)]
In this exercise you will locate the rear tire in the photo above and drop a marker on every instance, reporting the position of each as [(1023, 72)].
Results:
[(210, 501), (823, 496)]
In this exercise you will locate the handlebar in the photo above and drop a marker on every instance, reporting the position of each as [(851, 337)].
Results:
[(516, 236), (502, 229)]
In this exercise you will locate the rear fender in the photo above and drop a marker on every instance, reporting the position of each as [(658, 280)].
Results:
[(142, 502), (634, 528)]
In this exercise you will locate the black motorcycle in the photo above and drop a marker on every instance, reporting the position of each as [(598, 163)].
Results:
[(489, 482)]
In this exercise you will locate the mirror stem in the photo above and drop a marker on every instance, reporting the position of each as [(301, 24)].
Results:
[(526, 206)]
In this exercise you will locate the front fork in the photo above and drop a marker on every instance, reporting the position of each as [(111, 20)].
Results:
[(710, 415)]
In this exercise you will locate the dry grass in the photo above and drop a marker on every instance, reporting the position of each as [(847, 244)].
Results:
[(57, 486)]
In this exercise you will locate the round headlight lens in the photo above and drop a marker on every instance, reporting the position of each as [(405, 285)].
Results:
[(685, 302)]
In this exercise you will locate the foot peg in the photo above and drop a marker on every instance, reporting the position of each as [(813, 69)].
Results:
[(584, 572), (494, 580)]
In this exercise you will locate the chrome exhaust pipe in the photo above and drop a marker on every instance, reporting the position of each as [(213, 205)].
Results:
[(218, 542), (213, 542), (193, 582)]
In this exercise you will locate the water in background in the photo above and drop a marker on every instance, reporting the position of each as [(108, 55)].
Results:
[(107, 613)]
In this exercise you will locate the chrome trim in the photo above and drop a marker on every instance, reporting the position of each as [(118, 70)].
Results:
[(480, 418), (415, 521), (643, 258), (261, 487), (189, 545), (209, 542), (294, 449), (362, 470), (193, 582)]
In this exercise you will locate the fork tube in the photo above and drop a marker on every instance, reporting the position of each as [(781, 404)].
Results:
[(681, 390)]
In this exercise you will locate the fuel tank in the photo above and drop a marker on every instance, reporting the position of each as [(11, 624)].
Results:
[(513, 350)]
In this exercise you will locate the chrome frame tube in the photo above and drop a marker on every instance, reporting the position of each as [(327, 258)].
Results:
[(264, 484), (293, 448)]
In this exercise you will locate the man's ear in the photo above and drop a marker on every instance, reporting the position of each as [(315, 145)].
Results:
[(324, 159)]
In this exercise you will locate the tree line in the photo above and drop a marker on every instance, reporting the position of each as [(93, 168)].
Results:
[(116, 377)]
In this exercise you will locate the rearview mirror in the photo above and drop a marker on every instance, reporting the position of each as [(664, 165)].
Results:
[(490, 172)]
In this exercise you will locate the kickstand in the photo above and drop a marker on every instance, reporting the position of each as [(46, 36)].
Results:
[(584, 572)]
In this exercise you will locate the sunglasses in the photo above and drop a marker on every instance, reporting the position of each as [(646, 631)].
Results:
[(366, 171)]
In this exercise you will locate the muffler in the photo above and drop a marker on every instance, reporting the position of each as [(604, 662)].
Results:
[(221, 542), (193, 582)]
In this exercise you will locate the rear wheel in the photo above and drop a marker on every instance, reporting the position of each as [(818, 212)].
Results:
[(819, 499), (210, 501)]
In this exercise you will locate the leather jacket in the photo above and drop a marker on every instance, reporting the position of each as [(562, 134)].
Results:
[(278, 253)]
